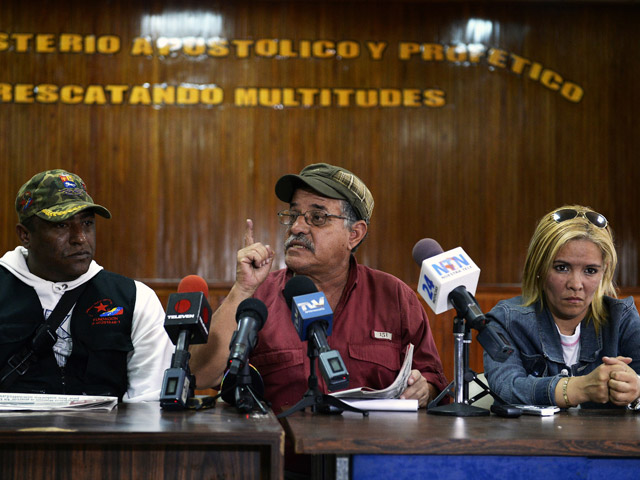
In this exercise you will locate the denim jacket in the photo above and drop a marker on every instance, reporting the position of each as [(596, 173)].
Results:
[(532, 371)]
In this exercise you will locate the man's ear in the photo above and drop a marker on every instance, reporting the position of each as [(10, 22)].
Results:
[(24, 235), (357, 233)]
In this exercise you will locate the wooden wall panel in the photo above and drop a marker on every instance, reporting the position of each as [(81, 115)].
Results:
[(476, 172)]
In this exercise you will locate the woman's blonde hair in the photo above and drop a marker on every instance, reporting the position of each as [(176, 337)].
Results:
[(549, 237)]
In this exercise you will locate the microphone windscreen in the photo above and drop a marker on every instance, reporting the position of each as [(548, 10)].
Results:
[(193, 283), (296, 286), (426, 248), (230, 381), (254, 308)]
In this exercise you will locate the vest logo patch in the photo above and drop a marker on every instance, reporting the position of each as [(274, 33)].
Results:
[(113, 312), (104, 312), (382, 335)]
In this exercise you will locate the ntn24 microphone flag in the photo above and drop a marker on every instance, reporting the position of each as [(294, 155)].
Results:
[(440, 274)]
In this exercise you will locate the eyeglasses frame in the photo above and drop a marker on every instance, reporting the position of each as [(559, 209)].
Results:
[(283, 213)]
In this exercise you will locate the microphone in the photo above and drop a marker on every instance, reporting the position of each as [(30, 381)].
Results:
[(251, 315), (242, 385), (313, 319), (187, 322), (189, 310), (442, 272), (449, 280), (308, 306)]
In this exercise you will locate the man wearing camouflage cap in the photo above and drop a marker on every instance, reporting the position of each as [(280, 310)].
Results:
[(111, 339), (375, 315)]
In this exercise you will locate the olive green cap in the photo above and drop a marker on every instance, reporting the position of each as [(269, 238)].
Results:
[(332, 182)]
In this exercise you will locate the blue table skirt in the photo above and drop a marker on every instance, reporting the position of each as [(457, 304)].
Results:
[(483, 467)]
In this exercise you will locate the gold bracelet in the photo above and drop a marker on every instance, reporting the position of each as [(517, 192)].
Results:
[(564, 392)]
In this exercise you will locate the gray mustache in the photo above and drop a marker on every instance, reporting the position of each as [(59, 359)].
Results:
[(299, 239)]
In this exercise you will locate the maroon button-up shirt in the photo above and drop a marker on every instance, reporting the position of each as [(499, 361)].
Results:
[(376, 318)]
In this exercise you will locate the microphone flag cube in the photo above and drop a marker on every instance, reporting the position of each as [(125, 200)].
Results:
[(310, 308), (188, 311), (442, 273)]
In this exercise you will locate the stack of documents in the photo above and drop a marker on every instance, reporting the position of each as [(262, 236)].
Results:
[(366, 398), (45, 402)]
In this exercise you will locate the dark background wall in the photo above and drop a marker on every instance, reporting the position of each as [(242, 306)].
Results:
[(474, 153)]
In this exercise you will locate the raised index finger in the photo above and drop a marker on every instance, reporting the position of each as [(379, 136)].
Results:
[(248, 233)]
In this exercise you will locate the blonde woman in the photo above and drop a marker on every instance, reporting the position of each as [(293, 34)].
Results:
[(575, 342)]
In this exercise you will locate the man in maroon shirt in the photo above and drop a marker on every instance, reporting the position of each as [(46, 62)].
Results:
[(375, 314)]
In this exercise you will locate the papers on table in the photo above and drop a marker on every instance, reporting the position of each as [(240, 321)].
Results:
[(393, 391), (46, 402), (385, 404)]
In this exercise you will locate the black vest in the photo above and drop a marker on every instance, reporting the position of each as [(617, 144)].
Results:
[(100, 330)]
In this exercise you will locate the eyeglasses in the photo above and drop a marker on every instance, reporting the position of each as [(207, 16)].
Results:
[(315, 218), (569, 214)]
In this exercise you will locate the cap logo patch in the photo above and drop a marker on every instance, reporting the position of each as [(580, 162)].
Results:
[(73, 191), (67, 181), (26, 201)]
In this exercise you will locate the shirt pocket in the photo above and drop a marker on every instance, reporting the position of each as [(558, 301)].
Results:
[(283, 372), (114, 341), (535, 365), (272, 362), (384, 354), (106, 354)]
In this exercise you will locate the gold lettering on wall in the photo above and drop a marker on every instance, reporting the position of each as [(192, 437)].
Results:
[(341, 97), (202, 48), (497, 58), (112, 94), (62, 43)]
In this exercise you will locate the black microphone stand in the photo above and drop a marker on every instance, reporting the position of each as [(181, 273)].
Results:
[(314, 398), (246, 399), (463, 375), (178, 383)]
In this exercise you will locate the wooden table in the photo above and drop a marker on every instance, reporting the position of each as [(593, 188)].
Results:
[(140, 441), (416, 445)]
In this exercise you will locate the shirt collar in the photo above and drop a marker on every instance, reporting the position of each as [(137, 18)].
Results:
[(590, 342), (352, 282)]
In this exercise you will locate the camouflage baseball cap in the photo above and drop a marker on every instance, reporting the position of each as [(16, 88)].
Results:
[(55, 195), (331, 182)]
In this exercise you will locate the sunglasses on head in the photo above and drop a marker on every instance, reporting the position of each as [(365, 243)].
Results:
[(565, 214)]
